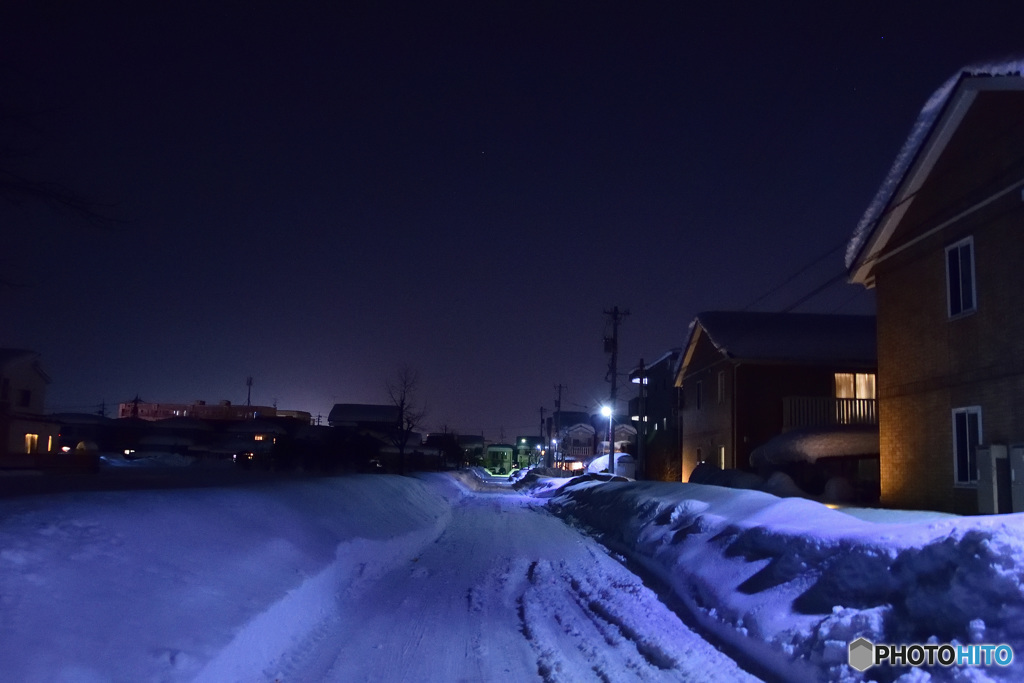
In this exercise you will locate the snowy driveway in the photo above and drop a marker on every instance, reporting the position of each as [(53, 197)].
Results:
[(506, 592)]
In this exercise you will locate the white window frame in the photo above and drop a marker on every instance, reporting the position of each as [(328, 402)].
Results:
[(965, 307), (972, 481)]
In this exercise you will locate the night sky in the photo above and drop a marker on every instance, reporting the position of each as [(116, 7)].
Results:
[(314, 194)]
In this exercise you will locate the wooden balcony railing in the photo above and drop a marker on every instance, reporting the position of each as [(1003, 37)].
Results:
[(805, 411)]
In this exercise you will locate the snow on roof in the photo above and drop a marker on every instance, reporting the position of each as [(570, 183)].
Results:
[(919, 134), (799, 337), (671, 355), (813, 444)]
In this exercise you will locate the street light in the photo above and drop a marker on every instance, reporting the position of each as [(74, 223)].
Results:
[(607, 412)]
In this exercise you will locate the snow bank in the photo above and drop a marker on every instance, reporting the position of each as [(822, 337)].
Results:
[(148, 459), (194, 584), (814, 443), (791, 582)]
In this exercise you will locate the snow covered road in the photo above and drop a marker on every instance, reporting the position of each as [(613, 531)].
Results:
[(506, 592), (436, 578)]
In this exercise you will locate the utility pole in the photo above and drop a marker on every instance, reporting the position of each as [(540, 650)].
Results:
[(541, 433), (611, 345), (558, 425), (641, 440), (248, 395)]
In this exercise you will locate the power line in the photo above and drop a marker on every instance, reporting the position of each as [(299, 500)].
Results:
[(794, 276), (816, 291)]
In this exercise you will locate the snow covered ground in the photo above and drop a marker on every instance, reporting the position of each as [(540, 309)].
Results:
[(444, 578), (791, 582)]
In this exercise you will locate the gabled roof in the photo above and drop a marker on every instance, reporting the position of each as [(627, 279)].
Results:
[(9, 357), (799, 338), (671, 357), (938, 120)]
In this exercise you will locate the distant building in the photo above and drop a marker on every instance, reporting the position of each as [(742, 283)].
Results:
[(199, 410), (499, 457), (572, 437), (655, 412), (472, 447), (367, 416), (301, 415), (529, 450), (24, 429)]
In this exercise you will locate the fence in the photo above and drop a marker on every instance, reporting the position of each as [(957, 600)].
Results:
[(804, 411)]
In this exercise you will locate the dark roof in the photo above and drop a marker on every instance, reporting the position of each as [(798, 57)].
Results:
[(792, 337), (81, 418), (672, 357), (363, 413), (10, 355)]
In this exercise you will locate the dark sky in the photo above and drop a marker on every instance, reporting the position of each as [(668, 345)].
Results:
[(313, 194)]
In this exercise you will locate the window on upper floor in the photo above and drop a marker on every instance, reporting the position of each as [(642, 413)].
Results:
[(960, 278), (24, 398), (855, 385), (699, 395), (721, 386), (966, 438)]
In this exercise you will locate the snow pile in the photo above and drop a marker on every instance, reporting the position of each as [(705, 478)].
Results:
[(542, 482), (791, 582), (149, 459), (811, 444), (194, 584)]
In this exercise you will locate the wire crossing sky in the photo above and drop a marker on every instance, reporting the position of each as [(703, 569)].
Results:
[(315, 195)]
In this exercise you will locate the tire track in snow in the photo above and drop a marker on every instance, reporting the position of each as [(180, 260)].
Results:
[(505, 592), (605, 620)]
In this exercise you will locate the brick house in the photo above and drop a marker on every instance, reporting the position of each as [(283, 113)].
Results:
[(746, 377), (942, 247)]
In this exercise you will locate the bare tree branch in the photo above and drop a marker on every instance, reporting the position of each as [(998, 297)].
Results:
[(402, 389), (17, 190)]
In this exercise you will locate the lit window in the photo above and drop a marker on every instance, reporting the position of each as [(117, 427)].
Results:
[(258, 437), (31, 443), (966, 438), (855, 385), (960, 277), (721, 457)]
